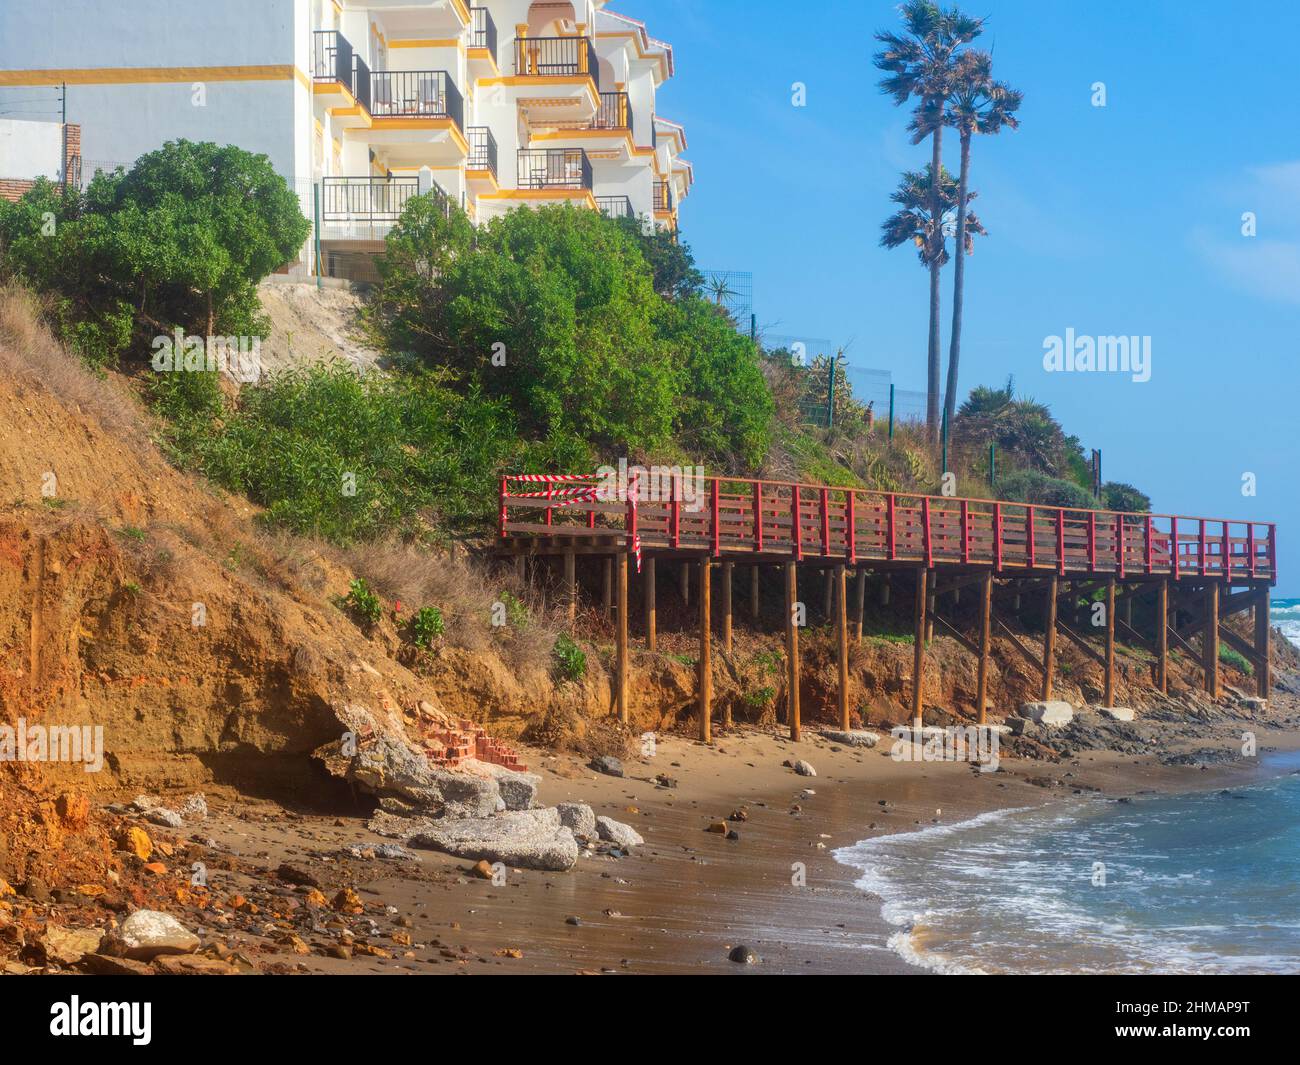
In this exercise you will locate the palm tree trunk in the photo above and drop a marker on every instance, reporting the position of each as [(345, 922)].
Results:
[(958, 280), (936, 250)]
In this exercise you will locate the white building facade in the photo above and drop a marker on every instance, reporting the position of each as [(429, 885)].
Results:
[(361, 104)]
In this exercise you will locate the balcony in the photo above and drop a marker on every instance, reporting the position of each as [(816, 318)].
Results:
[(331, 58), (554, 168), (366, 199), (663, 201), (556, 57), (483, 31), (615, 206), (482, 151), (615, 112), (416, 94)]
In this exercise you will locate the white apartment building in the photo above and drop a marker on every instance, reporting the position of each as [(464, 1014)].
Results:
[(361, 104)]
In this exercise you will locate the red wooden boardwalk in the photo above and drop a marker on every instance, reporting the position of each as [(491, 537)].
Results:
[(734, 518)]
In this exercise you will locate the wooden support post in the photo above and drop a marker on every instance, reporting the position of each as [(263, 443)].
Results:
[(884, 591), (650, 619), (726, 607), (862, 601), (982, 677), (918, 656), (1263, 634), (570, 586), (842, 649), (930, 607), (706, 657), (686, 583), (1210, 640), (1162, 636), (607, 586), (753, 592), (620, 639), (792, 648), (1049, 637), (828, 592), (1108, 697)]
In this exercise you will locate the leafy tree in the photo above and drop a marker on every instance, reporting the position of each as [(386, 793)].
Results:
[(1027, 436), (556, 313), (977, 104), (671, 262), (182, 239), (920, 64), (1031, 486), (1116, 495)]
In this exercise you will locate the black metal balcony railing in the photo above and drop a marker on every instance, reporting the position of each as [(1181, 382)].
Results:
[(615, 112), (361, 81), (615, 206), (556, 57), (366, 199), (331, 60), (554, 168), (416, 94), (483, 30), (663, 196), (482, 149)]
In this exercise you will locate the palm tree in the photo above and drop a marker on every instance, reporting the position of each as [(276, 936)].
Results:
[(720, 289), (916, 223), (977, 104), (920, 64)]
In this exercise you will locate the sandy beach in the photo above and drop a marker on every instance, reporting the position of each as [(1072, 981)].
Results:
[(682, 901)]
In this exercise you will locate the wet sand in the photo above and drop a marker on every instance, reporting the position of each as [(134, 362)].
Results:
[(681, 902)]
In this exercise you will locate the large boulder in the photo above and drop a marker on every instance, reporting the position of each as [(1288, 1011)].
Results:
[(579, 817), (380, 759), (1049, 713), (1116, 713), (147, 934), (617, 833), (518, 790), (529, 839)]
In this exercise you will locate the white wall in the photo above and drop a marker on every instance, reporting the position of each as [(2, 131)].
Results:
[(29, 150)]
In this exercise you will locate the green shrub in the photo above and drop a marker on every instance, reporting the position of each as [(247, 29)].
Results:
[(760, 698), (517, 615), (1030, 486), (181, 239), (427, 625), (570, 660), (363, 602), (1230, 656)]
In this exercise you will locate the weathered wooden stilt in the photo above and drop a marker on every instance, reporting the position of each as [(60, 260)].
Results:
[(753, 592), (650, 619), (1162, 636), (862, 602), (570, 586), (918, 656), (1108, 697), (932, 580), (828, 592), (1263, 634), (842, 648), (706, 658), (686, 583), (607, 586), (620, 639), (986, 617), (726, 608), (884, 591), (792, 648), (1049, 638), (1210, 640)]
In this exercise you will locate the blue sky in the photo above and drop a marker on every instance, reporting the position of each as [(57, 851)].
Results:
[(1119, 220)]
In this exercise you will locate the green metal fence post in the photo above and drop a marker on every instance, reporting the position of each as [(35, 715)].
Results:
[(830, 396), (315, 206), (891, 413), (944, 430), (993, 465)]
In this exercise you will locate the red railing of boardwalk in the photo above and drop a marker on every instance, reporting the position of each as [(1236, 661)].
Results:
[(733, 517)]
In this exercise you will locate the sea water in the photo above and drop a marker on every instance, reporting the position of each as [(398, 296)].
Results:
[(1285, 614), (1199, 883)]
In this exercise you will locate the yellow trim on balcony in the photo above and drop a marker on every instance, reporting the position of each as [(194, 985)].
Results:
[(428, 42), (542, 194), (483, 175), (414, 122), (150, 75), (661, 59), (462, 9), (484, 55)]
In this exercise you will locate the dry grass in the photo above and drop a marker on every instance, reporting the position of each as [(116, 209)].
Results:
[(467, 593), (31, 354)]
